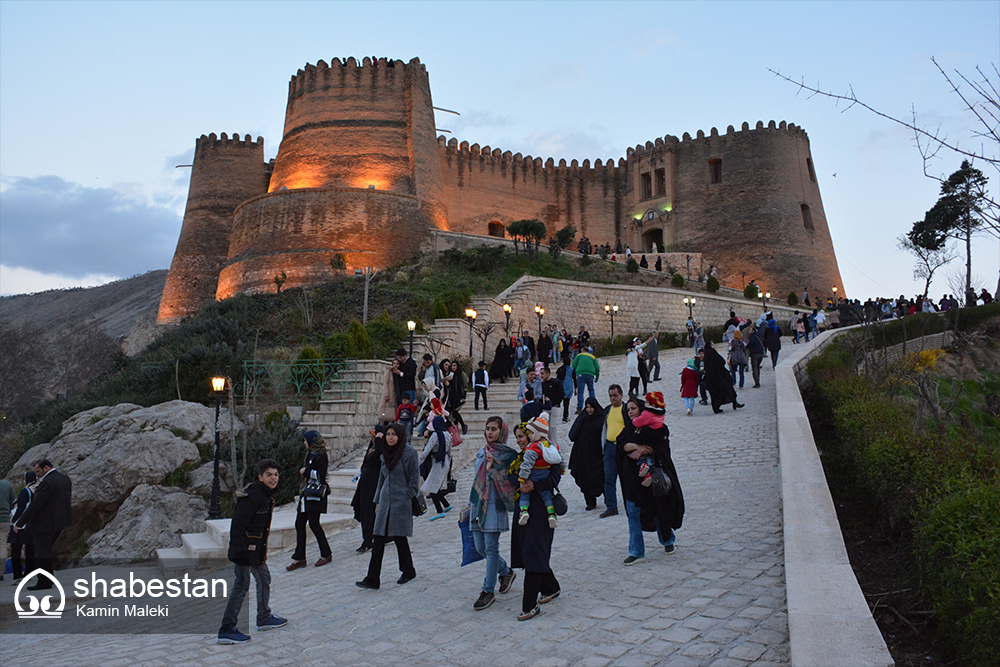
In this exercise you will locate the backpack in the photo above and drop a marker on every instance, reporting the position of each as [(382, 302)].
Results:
[(738, 354)]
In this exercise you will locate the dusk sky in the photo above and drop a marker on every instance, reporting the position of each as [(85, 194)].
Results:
[(100, 101)]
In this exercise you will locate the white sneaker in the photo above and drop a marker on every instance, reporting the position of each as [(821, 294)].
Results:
[(689, 413), (523, 521), (553, 522)]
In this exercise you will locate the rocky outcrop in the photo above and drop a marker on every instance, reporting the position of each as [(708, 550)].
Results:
[(109, 451), (201, 479), (152, 517)]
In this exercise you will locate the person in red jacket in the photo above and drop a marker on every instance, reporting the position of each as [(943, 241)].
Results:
[(689, 385)]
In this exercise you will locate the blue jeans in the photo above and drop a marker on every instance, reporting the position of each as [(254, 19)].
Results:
[(732, 371), (488, 545), (518, 365), (610, 476), (537, 475), (689, 403), (581, 382), (262, 576), (636, 545)]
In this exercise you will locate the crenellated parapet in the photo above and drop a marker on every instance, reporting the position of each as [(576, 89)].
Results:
[(351, 73)]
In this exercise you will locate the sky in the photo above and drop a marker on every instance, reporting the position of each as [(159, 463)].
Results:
[(100, 101)]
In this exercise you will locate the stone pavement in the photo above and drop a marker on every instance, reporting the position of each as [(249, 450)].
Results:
[(718, 600)]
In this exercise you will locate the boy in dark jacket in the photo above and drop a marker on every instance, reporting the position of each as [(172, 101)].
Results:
[(248, 550)]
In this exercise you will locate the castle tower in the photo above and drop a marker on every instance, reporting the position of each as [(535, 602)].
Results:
[(749, 200), (357, 173), (225, 172)]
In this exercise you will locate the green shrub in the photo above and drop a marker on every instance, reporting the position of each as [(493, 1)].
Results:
[(585, 261), (946, 486), (339, 346), (712, 284), (439, 310), (386, 335), (360, 340), (750, 291), (632, 266), (793, 300), (677, 280)]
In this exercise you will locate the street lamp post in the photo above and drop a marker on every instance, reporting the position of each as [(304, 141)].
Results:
[(471, 314), (835, 295), (612, 311), (540, 312), (214, 509), (689, 302), (767, 295), (506, 312), (412, 326)]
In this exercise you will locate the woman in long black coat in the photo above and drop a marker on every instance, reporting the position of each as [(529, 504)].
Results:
[(586, 461), (364, 496), (503, 360), (531, 544), (718, 380), (645, 511)]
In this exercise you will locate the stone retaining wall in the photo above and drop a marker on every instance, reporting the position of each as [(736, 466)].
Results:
[(829, 622)]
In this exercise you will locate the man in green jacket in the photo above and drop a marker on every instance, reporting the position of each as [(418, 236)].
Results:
[(588, 371)]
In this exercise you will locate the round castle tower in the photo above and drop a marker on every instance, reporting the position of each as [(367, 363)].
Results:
[(357, 173), (224, 173)]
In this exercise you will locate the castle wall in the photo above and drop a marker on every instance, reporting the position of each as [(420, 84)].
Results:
[(299, 231), (483, 185), (225, 172)]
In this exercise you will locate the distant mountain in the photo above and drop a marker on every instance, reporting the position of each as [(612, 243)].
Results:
[(122, 308)]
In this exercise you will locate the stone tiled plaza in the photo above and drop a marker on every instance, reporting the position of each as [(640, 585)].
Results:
[(719, 600)]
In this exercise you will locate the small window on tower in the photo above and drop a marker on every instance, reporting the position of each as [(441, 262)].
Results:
[(661, 182), (647, 186), (715, 171), (812, 171), (807, 218)]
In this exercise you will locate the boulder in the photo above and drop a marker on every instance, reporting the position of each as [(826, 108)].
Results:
[(201, 479), (152, 517)]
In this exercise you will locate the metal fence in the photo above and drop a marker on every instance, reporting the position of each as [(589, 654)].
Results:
[(294, 381)]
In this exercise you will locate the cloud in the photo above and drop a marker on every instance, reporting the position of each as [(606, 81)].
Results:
[(15, 280), (473, 120), (56, 227)]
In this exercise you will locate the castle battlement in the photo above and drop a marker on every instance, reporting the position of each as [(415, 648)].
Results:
[(210, 140), (352, 74), (495, 158)]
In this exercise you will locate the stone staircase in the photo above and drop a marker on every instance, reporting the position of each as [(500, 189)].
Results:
[(344, 418)]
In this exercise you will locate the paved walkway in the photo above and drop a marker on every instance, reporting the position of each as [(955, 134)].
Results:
[(718, 600)]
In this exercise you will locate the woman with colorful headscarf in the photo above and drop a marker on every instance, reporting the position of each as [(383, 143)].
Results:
[(313, 492), (492, 497), (436, 462)]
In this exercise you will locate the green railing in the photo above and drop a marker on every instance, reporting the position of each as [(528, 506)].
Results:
[(288, 380), (298, 380)]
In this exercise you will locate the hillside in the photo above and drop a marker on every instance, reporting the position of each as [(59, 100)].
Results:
[(115, 308)]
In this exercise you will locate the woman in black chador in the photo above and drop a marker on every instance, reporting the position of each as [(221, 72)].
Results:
[(718, 380), (586, 461), (364, 496)]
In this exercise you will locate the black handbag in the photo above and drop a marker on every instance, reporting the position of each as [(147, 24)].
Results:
[(452, 485), (419, 505), (559, 503), (661, 482)]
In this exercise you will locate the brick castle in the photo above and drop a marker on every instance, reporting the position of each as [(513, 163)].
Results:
[(361, 171)]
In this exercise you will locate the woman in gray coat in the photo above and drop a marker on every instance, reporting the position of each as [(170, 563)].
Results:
[(398, 485)]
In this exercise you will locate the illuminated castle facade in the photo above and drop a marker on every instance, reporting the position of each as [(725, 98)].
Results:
[(361, 171)]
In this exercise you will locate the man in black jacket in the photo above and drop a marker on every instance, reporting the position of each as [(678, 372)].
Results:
[(46, 516), (248, 550), (405, 376), (552, 389)]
